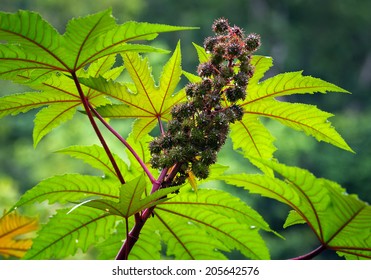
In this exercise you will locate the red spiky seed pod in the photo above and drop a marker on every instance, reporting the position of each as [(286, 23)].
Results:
[(220, 26), (241, 79), (210, 43), (252, 42), (205, 69)]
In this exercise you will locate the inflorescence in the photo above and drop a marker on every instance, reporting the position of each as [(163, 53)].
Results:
[(199, 127)]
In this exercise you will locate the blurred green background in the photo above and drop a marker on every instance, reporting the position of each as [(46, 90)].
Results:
[(327, 39)]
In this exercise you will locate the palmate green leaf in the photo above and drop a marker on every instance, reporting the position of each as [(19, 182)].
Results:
[(132, 199), (66, 232), (261, 102), (150, 103), (23, 102), (95, 36), (51, 117), (340, 221), (33, 52), (96, 157), (34, 48), (70, 188), (203, 225), (59, 93), (56, 114), (32, 44)]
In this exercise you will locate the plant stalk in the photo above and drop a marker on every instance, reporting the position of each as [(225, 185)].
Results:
[(311, 254), (126, 144), (87, 107), (140, 220)]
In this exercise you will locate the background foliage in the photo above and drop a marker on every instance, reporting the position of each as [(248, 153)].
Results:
[(329, 39)]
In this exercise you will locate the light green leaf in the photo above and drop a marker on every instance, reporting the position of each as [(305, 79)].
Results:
[(66, 232), (293, 219), (287, 84), (254, 139), (201, 53), (97, 157), (198, 226), (150, 103), (29, 29), (34, 49), (251, 136), (261, 65), (192, 77), (51, 117), (39, 42), (131, 200), (70, 188), (95, 36), (340, 221), (23, 102), (148, 247), (302, 117)]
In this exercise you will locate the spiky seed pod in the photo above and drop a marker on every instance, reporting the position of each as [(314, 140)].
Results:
[(212, 100), (235, 30), (208, 157), (210, 43), (241, 79), (197, 137), (219, 83), (200, 126), (155, 146), (252, 42), (226, 72), (216, 59), (183, 111), (205, 69), (166, 141), (178, 154), (234, 113), (219, 50), (206, 85), (220, 120), (233, 50), (191, 89), (220, 26), (200, 170), (166, 160), (173, 126), (234, 94), (155, 161)]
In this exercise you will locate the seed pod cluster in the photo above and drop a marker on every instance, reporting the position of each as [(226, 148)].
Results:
[(199, 127)]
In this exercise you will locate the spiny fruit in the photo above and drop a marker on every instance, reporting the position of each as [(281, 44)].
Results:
[(199, 127)]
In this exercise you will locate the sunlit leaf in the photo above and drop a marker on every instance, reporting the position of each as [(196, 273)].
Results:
[(132, 199), (254, 139), (341, 222), (12, 227), (70, 188), (97, 157), (200, 226), (150, 103), (80, 229)]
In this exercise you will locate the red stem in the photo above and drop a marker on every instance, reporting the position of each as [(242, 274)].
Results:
[(312, 254), (140, 220), (123, 141), (87, 106)]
